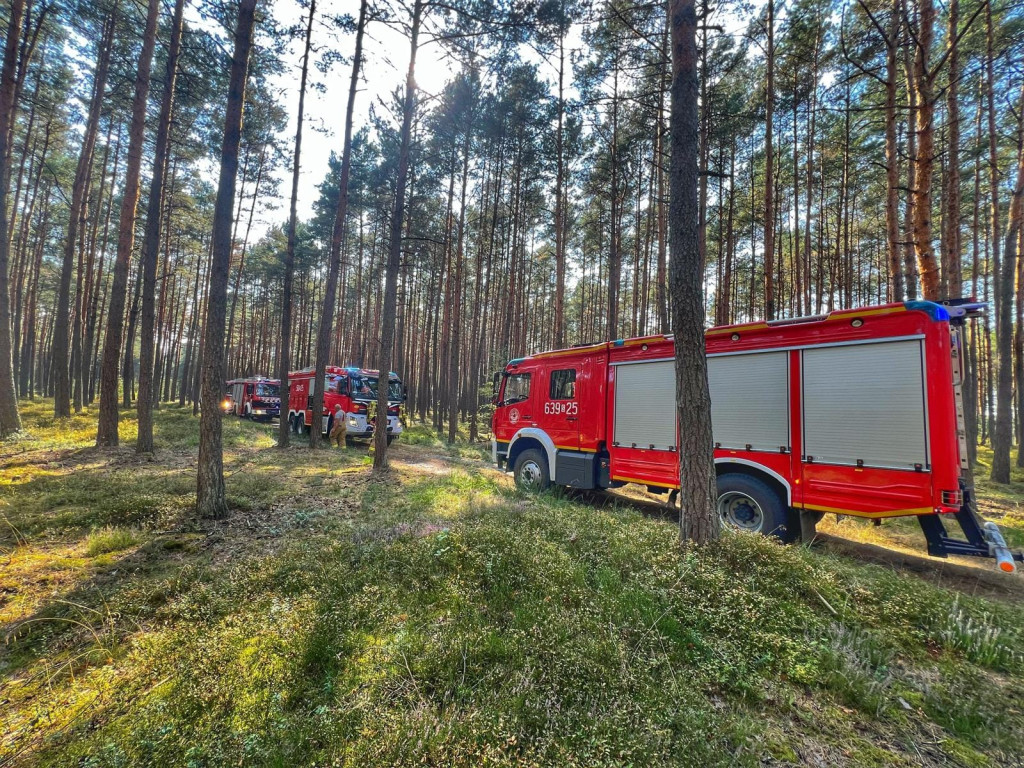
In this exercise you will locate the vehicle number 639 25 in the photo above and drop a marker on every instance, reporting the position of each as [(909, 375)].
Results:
[(563, 408)]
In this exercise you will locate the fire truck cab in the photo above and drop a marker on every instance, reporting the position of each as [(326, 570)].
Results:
[(256, 397), (355, 389), (856, 412)]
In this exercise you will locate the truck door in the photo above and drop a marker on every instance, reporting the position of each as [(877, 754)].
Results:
[(561, 406), (865, 431)]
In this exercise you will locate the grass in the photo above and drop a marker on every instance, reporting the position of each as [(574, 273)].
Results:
[(110, 539), (437, 617)]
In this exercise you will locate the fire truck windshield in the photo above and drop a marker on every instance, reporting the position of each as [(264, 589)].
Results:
[(365, 388), (267, 390)]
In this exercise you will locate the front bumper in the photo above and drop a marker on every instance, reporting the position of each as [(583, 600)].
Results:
[(359, 427)]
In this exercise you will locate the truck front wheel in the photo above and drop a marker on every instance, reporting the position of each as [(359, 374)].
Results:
[(748, 504), (531, 471)]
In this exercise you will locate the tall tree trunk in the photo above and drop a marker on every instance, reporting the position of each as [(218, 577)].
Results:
[(1003, 435), (769, 170), (387, 334), (892, 162), (211, 500), (285, 343), (323, 334), (661, 290), (698, 520), (79, 189), (927, 265), (106, 433), (952, 270), (454, 379), (151, 241), (559, 331), (10, 420)]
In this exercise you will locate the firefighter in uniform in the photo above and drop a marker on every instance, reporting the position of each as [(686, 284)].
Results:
[(339, 427)]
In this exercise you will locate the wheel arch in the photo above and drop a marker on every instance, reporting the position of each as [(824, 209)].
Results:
[(531, 437), (758, 471)]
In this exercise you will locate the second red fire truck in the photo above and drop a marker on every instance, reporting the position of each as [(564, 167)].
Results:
[(256, 397), (355, 389), (858, 412)]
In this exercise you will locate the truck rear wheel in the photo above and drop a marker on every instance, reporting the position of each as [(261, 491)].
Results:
[(300, 424), (531, 471), (748, 504)]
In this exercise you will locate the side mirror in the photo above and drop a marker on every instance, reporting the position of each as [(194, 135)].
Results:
[(405, 393)]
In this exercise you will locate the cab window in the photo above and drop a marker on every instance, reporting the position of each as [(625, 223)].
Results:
[(563, 384), (517, 388)]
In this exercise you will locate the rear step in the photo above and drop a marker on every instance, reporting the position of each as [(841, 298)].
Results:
[(983, 538)]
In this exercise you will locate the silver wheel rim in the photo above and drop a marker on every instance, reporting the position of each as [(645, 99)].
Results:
[(530, 475), (740, 511)]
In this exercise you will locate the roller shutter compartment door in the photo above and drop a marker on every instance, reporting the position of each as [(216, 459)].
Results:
[(866, 403), (645, 405), (750, 400)]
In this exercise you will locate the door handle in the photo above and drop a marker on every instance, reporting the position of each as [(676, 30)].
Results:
[(526, 416), (571, 418)]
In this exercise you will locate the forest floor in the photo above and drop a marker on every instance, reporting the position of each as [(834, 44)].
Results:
[(438, 617)]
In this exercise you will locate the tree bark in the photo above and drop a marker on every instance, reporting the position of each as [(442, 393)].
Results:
[(387, 335), (284, 359), (559, 330), (63, 314), (211, 499), (151, 241), (769, 170), (952, 271), (698, 521), (1003, 435), (106, 433), (927, 265), (10, 419), (892, 162), (323, 334), (454, 380)]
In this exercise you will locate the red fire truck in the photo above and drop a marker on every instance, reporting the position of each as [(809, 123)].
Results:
[(857, 412), (256, 397), (356, 390)]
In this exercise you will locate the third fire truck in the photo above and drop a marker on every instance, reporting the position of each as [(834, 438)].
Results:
[(355, 389), (256, 397), (857, 412)]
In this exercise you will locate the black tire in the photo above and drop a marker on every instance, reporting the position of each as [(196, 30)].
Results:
[(300, 424), (749, 504), (531, 471), (293, 423)]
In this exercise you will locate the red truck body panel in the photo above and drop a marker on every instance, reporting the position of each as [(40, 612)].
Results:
[(343, 387), (584, 423), (254, 397)]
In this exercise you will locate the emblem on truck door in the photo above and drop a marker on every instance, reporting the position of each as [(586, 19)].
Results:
[(513, 416)]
